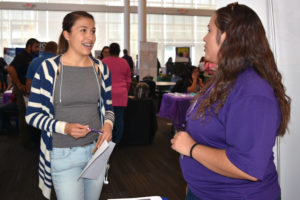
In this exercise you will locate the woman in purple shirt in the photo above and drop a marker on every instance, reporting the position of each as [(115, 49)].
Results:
[(233, 123)]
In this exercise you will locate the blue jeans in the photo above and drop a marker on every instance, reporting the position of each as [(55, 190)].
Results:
[(119, 124), (66, 166)]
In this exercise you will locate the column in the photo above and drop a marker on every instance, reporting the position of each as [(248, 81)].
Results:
[(127, 25), (141, 24)]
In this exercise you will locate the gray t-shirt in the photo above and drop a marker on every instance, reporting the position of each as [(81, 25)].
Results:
[(76, 97)]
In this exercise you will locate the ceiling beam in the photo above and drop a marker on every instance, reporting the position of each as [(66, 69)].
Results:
[(101, 8)]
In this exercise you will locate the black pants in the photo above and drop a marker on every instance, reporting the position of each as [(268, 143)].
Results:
[(25, 131)]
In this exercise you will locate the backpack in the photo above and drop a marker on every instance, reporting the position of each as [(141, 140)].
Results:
[(142, 91)]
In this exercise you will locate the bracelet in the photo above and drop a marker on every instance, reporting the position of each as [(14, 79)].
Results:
[(191, 151)]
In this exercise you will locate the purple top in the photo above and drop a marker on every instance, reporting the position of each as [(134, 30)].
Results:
[(246, 127)]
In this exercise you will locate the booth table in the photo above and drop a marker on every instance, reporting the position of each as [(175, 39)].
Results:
[(164, 83), (164, 86), (174, 106)]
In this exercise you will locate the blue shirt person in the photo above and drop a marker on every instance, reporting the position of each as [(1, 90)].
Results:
[(50, 51)]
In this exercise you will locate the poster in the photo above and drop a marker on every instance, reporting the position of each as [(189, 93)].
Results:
[(148, 60), (9, 54)]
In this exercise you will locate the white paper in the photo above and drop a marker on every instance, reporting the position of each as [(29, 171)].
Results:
[(99, 161), (26, 99), (140, 198)]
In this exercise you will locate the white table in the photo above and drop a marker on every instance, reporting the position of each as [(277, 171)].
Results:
[(164, 83)]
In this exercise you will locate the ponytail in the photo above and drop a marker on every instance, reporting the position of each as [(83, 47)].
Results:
[(62, 44)]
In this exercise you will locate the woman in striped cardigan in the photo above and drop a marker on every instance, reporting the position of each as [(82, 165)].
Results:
[(70, 97)]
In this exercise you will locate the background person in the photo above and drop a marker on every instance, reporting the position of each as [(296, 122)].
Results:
[(201, 64), (195, 82), (209, 69), (232, 126), (170, 66), (121, 78), (17, 71), (81, 100), (104, 52), (3, 75), (50, 51), (128, 59), (189, 82)]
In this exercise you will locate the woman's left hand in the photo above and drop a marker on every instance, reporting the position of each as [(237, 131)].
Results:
[(182, 143), (106, 135)]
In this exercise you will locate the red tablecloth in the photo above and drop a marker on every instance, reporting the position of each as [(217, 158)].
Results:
[(174, 106)]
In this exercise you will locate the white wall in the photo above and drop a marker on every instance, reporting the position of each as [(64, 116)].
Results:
[(287, 29), (287, 44), (259, 6)]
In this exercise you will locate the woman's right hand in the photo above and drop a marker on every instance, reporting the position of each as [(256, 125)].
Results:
[(76, 130)]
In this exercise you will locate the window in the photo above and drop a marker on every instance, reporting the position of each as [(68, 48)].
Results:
[(169, 31)]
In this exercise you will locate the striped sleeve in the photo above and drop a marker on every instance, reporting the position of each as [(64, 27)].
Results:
[(39, 104), (107, 99)]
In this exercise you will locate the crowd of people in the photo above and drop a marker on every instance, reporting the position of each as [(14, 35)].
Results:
[(231, 126)]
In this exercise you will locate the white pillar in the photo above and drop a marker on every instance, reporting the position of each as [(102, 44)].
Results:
[(141, 25), (127, 25), (287, 41)]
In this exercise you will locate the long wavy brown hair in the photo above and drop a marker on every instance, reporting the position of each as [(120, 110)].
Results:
[(245, 45)]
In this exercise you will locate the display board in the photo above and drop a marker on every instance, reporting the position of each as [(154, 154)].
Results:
[(148, 60)]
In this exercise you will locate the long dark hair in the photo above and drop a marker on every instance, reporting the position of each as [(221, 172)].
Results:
[(101, 54), (245, 45), (67, 24)]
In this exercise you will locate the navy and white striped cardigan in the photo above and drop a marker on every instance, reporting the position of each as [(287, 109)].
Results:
[(40, 112)]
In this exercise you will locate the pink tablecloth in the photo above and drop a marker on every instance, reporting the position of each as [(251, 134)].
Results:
[(174, 106)]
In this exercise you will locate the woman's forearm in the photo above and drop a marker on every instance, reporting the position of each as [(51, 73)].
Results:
[(193, 87), (14, 77), (217, 161)]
